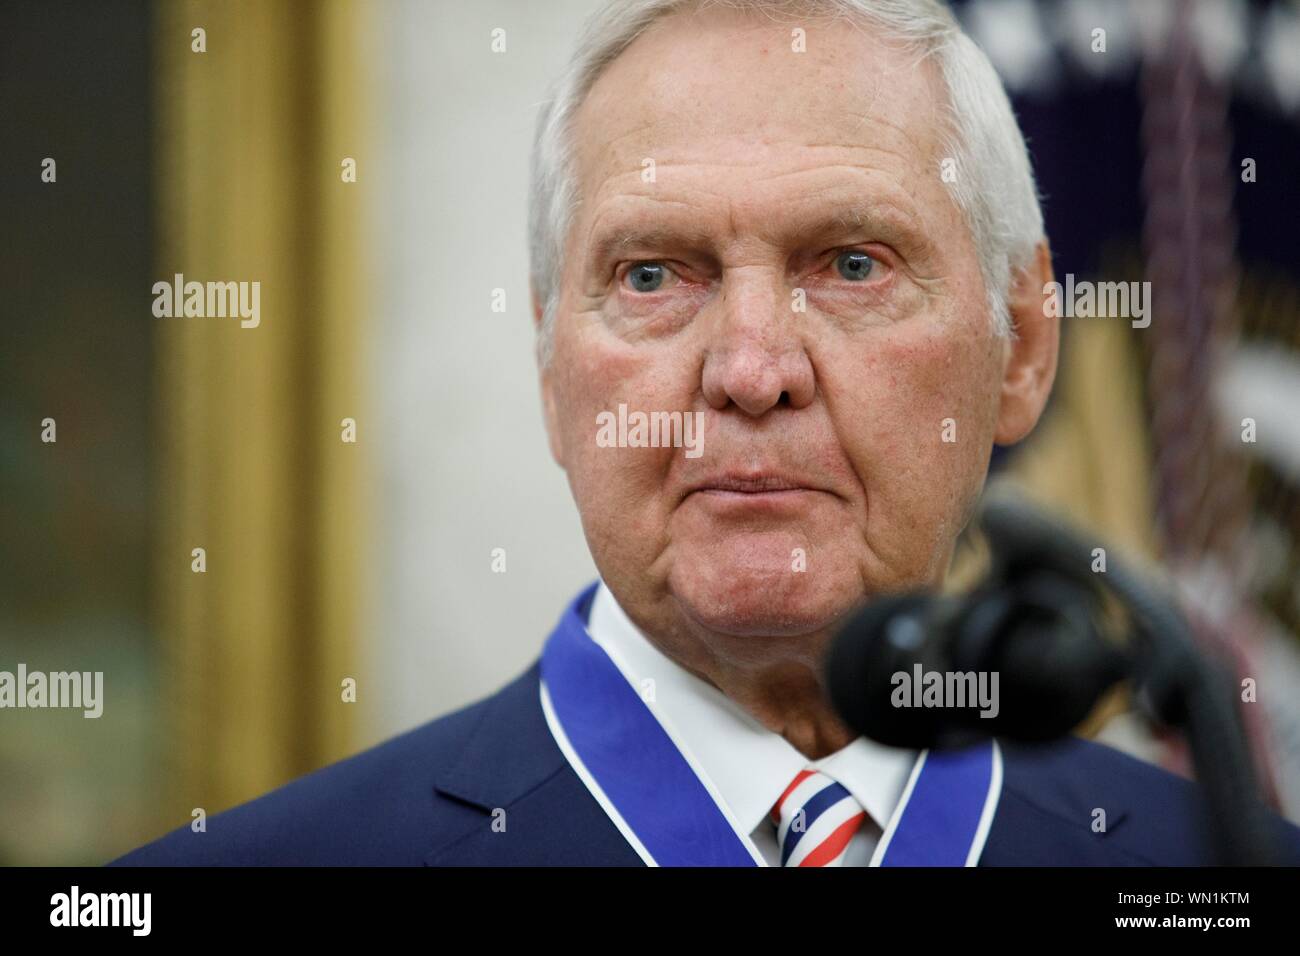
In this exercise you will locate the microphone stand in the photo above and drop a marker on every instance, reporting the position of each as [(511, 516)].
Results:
[(1182, 688)]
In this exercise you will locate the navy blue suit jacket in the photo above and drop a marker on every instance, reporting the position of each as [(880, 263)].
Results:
[(428, 797)]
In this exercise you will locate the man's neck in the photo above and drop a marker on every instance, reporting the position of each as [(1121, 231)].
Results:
[(775, 679)]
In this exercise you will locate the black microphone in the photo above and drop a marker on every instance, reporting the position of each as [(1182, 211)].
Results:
[(1024, 658), (1035, 621)]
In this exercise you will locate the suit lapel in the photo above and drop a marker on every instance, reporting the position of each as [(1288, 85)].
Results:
[(534, 809)]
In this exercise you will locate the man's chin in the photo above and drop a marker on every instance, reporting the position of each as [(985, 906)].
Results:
[(756, 604)]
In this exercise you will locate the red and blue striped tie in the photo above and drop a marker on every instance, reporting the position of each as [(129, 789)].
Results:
[(815, 820)]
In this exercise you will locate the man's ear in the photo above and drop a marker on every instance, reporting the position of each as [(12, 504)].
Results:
[(537, 307), (546, 378), (1029, 367)]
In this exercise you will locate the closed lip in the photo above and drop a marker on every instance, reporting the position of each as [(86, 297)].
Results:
[(752, 483)]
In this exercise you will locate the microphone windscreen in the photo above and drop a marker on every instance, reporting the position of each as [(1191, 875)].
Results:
[(888, 635)]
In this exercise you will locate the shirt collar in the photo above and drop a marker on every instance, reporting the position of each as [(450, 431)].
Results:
[(748, 765)]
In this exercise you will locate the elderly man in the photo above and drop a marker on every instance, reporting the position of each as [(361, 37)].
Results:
[(811, 230)]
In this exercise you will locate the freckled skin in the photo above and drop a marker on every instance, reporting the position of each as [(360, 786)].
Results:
[(760, 154)]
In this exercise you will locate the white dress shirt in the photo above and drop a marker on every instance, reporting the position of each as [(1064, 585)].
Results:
[(746, 765)]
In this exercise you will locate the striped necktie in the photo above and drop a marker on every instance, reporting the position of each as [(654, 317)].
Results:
[(815, 820)]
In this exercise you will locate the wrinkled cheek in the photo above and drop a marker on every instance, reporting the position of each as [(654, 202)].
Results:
[(922, 447), (589, 380), (627, 481), (618, 490)]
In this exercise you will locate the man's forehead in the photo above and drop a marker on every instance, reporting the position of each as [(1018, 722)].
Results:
[(727, 89)]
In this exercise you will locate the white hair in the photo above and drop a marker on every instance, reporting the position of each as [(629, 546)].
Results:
[(994, 182)]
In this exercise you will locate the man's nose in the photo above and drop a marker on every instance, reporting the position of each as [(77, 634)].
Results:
[(756, 355)]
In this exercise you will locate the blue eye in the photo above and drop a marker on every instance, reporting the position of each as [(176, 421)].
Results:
[(854, 265), (646, 276)]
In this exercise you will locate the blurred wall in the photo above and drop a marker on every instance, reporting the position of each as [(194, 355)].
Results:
[(463, 460)]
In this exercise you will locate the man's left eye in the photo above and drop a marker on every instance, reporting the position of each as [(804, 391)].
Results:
[(854, 265)]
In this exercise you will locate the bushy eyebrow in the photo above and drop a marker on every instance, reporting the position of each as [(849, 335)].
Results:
[(884, 221), (616, 241), (849, 217)]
